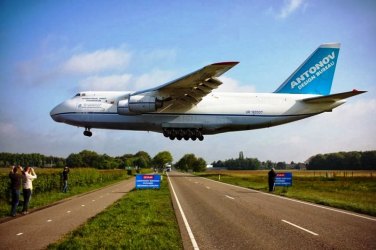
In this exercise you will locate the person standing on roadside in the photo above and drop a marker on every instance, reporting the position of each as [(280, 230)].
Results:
[(65, 179), (28, 176), (15, 188), (271, 179)]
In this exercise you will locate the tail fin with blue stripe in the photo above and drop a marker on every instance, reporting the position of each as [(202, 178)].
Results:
[(315, 75)]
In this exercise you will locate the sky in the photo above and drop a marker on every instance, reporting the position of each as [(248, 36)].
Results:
[(50, 50)]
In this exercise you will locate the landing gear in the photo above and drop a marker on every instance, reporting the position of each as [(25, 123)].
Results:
[(186, 134), (87, 132)]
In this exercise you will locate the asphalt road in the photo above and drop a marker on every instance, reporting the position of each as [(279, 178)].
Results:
[(222, 216), (40, 228)]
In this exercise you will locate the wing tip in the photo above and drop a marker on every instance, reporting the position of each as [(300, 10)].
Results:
[(226, 63), (359, 91)]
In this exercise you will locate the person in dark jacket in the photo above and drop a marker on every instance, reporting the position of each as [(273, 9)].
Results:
[(271, 179), (65, 179), (15, 187)]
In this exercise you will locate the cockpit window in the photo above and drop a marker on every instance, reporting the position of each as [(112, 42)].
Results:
[(80, 94)]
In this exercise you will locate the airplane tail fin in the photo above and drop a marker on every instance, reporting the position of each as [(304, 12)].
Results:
[(315, 74)]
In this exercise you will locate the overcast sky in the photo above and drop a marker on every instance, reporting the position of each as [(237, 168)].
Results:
[(49, 50)]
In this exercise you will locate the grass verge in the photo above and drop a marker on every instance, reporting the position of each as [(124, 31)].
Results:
[(143, 219), (355, 194)]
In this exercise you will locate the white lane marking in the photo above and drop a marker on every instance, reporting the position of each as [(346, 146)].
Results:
[(68, 212), (207, 187), (49, 220), (301, 228), (232, 198), (19, 234), (92, 200), (82, 205), (191, 236), (301, 202)]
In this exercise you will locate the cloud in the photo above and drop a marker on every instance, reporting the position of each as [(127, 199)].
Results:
[(232, 85), (153, 79), (97, 61), (106, 83), (122, 82), (289, 7)]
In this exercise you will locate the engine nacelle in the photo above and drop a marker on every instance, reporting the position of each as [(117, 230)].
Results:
[(138, 104)]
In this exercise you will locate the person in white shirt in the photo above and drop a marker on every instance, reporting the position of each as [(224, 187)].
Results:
[(28, 176)]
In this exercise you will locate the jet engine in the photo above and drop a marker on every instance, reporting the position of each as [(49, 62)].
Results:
[(138, 104)]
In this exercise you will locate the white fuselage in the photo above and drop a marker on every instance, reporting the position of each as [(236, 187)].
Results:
[(216, 113)]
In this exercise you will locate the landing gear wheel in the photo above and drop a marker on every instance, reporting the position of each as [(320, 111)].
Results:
[(87, 132)]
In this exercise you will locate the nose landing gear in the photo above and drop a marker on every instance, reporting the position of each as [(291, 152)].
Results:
[(87, 132)]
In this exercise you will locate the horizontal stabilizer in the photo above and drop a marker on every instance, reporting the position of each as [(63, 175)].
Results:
[(334, 97)]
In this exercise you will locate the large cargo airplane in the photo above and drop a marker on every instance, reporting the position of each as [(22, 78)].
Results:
[(187, 108)]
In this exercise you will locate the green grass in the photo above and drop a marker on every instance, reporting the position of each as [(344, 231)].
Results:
[(356, 194), (143, 219)]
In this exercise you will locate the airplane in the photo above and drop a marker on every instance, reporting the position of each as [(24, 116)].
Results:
[(186, 108)]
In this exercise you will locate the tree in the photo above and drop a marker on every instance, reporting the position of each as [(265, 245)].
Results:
[(190, 162), (368, 160), (200, 165), (142, 159), (281, 165), (74, 160), (161, 159)]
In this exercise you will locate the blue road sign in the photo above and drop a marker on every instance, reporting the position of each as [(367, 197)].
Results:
[(283, 179), (145, 181)]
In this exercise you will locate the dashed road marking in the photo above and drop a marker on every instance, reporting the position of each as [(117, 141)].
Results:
[(19, 234), (232, 198), (93, 200), (207, 187), (301, 228), (82, 205), (49, 220), (68, 212)]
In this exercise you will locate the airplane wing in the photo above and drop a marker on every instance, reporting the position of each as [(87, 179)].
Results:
[(334, 97), (190, 89)]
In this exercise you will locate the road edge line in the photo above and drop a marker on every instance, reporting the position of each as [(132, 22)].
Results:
[(190, 233)]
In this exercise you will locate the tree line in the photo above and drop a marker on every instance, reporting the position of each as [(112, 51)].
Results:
[(334, 161), (35, 160), (189, 162), (343, 161), (86, 159)]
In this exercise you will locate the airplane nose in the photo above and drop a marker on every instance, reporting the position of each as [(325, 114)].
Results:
[(58, 112), (54, 113)]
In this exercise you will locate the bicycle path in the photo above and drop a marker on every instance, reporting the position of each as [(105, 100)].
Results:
[(38, 229)]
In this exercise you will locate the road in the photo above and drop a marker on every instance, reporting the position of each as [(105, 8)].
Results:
[(39, 229), (222, 216)]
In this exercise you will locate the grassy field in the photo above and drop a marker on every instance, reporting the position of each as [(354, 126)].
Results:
[(354, 191), (143, 219), (48, 185)]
